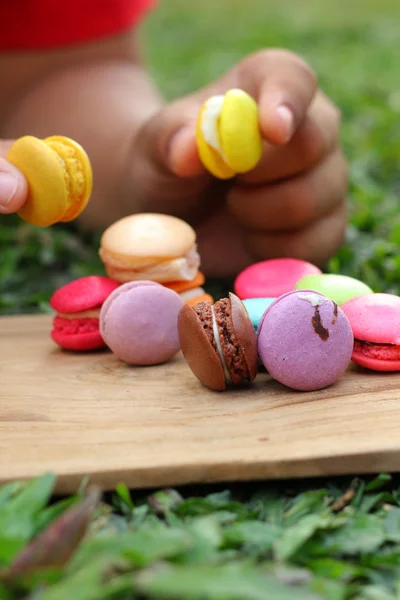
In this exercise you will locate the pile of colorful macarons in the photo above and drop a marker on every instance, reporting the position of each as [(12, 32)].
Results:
[(301, 325), (152, 266), (374, 318), (154, 247)]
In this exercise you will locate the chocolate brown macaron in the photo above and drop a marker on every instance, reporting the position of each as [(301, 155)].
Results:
[(218, 342)]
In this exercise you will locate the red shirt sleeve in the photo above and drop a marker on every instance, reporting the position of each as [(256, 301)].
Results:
[(36, 24)]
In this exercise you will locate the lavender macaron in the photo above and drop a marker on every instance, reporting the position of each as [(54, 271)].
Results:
[(139, 323), (305, 340)]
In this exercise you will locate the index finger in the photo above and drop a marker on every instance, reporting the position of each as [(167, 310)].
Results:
[(284, 87)]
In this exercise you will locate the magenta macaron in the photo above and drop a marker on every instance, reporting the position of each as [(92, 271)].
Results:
[(272, 278), (375, 320), (305, 340), (139, 322), (78, 304)]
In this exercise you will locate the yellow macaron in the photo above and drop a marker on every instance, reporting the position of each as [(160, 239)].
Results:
[(228, 134), (59, 177)]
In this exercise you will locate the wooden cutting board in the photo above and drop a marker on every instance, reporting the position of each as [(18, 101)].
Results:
[(90, 414)]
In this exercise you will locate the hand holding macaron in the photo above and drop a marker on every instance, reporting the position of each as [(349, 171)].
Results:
[(45, 181), (287, 200)]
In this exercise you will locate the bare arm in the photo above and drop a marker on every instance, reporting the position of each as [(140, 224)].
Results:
[(99, 94)]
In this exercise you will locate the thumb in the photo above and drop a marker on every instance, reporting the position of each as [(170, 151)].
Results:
[(168, 139), (13, 185), (165, 171)]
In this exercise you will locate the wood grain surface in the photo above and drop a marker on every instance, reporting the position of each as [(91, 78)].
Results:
[(91, 415)]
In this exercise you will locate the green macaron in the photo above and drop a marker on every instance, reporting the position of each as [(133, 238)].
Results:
[(338, 288)]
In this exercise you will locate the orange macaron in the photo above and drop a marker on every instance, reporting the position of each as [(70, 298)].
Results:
[(191, 292)]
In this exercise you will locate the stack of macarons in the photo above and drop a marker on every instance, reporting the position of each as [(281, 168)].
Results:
[(154, 247), (152, 265)]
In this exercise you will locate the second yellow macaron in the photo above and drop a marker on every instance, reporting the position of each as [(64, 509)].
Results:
[(228, 135), (59, 176)]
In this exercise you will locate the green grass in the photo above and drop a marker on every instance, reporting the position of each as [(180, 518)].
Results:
[(258, 542), (264, 540)]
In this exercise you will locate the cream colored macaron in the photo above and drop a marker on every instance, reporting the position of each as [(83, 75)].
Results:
[(150, 246), (228, 134)]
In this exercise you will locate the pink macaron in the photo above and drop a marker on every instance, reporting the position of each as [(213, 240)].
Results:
[(272, 278), (139, 322), (78, 303), (305, 340), (375, 320)]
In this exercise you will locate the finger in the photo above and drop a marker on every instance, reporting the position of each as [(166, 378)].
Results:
[(166, 172), (314, 140), (294, 203), (13, 185), (5, 145), (316, 243), (284, 86), (183, 156), (168, 141)]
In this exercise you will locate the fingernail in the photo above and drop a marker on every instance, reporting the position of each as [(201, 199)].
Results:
[(182, 157), (287, 119), (171, 148), (176, 144), (8, 188)]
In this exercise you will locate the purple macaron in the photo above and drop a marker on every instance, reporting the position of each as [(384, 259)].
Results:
[(305, 340), (139, 322)]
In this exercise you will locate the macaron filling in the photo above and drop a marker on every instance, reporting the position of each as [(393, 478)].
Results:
[(75, 326), (193, 293), (210, 122), (73, 174), (219, 347), (218, 326), (183, 286), (153, 269), (231, 350), (93, 313), (377, 351), (78, 335)]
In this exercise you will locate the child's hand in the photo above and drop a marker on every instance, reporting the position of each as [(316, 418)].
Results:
[(13, 185), (291, 204)]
